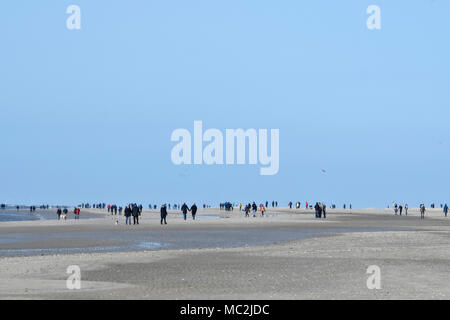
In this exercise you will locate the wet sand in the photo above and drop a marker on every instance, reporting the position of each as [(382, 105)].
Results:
[(289, 255)]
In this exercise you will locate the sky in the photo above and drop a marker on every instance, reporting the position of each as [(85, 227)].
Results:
[(87, 115)]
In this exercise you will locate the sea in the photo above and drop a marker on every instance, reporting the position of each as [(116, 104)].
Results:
[(14, 215)]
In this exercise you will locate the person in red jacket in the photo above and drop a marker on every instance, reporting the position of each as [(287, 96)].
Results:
[(76, 212)]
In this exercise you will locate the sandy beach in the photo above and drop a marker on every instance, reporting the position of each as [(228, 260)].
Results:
[(221, 255)]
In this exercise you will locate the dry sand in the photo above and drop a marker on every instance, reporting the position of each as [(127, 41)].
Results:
[(413, 256)]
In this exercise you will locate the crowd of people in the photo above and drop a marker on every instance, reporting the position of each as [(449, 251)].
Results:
[(398, 208), (254, 208), (134, 210), (307, 205)]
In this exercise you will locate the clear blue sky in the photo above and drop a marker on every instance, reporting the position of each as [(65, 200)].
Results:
[(86, 115)]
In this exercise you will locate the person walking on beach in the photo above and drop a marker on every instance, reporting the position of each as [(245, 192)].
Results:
[(163, 214), (193, 210), (400, 209), (406, 209), (445, 210), (76, 212), (247, 210), (263, 209), (64, 214), (184, 209), (422, 211), (316, 208), (127, 214), (324, 210), (58, 213), (395, 208), (255, 208), (135, 214)]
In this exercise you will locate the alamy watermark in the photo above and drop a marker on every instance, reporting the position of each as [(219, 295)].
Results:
[(235, 140), (374, 20), (374, 280), (73, 22), (73, 282)]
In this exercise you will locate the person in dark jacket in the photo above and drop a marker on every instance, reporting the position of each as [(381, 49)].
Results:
[(135, 213), (59, 212), (422, 211), (316, 208), (184, 209), (64, 214), (247, 210), (127, 214), (255, 208), (163, 214), (193, 211)]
